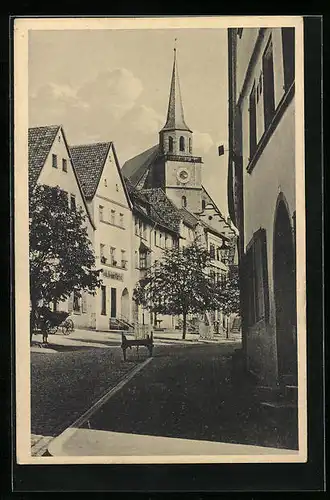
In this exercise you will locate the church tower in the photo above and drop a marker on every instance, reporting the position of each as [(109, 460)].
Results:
[(182, 171)]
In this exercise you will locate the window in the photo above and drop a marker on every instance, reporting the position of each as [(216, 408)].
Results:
[(190, 145), (170, 144), (101, 212), (54, 161), (218, 253), (64, 165), (182, 145), (73, 202), (113, 261), (184, 201), (66, 196), (212, 251), (123, 259), (253, 122), (112, 216), (105, 183), (288, 56), (155, 237), (160, 239), (103, 300), (143, 260), (144, 231), (121, 220), (203, 204), (166, 245), (256, 278), (102, 256), (76, 302), (268, 72)]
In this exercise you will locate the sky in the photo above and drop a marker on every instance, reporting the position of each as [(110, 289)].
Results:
[(113, 85)]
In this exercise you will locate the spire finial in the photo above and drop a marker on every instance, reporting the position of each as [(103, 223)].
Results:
[(175, 118)]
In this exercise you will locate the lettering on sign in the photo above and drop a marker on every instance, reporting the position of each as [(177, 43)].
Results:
[(112, 275)]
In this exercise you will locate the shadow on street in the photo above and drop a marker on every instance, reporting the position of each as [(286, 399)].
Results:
[(191, 394)]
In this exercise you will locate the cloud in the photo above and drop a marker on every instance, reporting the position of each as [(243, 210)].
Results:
[(115, 91), (202, 141), (111, 94), (145, 120)]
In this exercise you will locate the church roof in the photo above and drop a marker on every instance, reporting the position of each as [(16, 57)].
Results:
[(40, 141), (175, 116), (89, 161), (188, 218), (137, 166)]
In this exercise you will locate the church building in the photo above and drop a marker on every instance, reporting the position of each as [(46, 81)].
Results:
[(170, 175)]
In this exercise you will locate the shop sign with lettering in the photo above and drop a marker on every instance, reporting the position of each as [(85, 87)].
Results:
[(112, 275)]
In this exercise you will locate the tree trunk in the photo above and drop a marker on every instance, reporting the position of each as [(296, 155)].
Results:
[(32, 317), (184, 326)]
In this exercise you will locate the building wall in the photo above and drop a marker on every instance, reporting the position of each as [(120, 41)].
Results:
[(271, 174), (113, 230), (67, 181), (147, 233)]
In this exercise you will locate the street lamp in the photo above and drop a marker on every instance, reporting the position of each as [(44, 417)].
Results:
[(224, 252)]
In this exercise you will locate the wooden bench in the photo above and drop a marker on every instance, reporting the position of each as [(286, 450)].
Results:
[(148, 342)]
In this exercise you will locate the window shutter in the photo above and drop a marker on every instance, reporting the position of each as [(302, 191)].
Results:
[(70, 304)]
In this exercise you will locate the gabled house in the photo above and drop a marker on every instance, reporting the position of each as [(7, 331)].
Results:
[(108, 201), (50, 163)]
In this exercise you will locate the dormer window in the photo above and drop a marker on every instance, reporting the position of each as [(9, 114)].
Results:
[(182, 145), (170, 144)]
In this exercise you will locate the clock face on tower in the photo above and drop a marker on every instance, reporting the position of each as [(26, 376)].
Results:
[(183, 175)]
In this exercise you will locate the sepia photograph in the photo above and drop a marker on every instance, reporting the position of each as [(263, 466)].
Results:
[(160, 227)]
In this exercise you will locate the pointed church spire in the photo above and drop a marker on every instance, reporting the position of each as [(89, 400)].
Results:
[(175, 116)]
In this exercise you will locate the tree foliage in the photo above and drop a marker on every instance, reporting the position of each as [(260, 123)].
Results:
[(61, 255), (179, 284), (229, 292)]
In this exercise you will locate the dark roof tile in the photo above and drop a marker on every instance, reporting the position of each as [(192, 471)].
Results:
[(40, 141), (88, 161)]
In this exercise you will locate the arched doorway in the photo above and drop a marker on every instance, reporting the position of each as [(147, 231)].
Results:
[(125, 304), (285, 295)]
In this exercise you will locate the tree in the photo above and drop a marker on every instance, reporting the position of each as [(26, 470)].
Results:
[(229, 292), (178, 284), (62, 259)]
